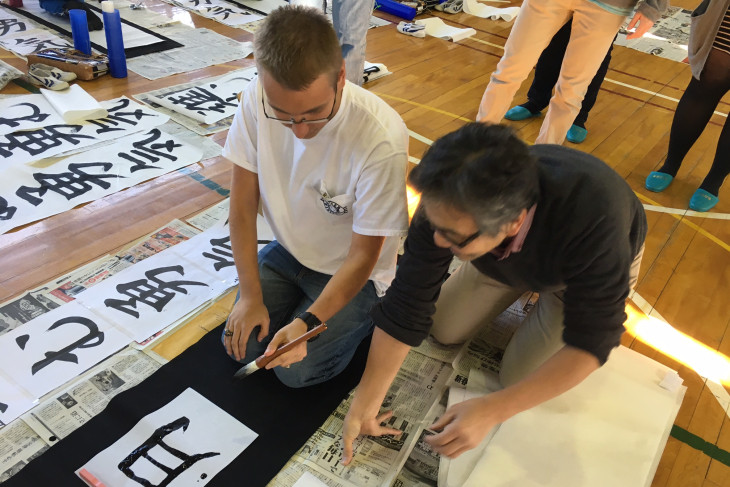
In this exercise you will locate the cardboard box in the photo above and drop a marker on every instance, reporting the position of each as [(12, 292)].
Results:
[(85, 66)]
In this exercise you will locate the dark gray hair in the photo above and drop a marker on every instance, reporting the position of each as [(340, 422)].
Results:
[(297, 44), (483, 170)]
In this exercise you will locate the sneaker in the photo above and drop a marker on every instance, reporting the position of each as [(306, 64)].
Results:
[(43, 77), (410, 29), (450, 6), (46, 70)]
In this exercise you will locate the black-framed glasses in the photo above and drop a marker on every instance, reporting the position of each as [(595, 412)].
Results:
[(445, 234), (303, 120)]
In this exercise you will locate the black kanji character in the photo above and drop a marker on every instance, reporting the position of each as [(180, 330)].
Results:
[(201, 100), (6, 211), (152, 291), (36, 142), (117, 116), (34, 116), (69, 184), (156, 439), (149, 150), (223, 253)]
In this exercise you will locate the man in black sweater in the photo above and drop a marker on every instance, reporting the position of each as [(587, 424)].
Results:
[(543, 218)]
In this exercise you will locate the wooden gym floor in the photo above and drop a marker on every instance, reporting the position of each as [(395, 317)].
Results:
[(436, 87)]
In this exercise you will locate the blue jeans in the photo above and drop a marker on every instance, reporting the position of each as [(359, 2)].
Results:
[(351, 19), (289, 288)]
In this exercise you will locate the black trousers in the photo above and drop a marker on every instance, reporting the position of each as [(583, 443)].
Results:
[(547, 72)]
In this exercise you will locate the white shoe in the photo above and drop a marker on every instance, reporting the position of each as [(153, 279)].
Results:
[(42, 70), (410, 29)]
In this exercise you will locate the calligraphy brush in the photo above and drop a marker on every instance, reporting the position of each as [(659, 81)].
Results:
[(263, 360)]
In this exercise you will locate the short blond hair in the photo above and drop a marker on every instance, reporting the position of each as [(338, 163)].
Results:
[(296, 45)]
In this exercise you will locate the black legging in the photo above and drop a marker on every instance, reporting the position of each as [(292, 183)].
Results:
[(694, 111)]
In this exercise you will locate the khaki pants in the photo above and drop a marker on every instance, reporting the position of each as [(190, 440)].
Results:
[(470, 300), (592, 32)]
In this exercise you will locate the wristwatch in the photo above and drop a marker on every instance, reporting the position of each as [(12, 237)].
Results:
[(311, 320)]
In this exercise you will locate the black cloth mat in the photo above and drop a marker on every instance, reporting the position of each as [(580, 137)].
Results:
[(164, 43), (284, 418)]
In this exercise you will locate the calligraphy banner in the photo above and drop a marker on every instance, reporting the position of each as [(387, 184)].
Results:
[(145, 298), (219, 10), (186, 442), (125, 117), (28, 194), (212, 250), (14, 401), (56, 347), (209, 102), (26, 112), (23, 37)]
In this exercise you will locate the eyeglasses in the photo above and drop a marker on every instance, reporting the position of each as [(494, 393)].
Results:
[(303, 120), (444, 234)]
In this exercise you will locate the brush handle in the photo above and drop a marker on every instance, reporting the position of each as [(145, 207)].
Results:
[(263, 360)]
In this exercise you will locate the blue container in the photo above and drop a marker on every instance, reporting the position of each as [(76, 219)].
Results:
[(395, 8), (115, 44), (80, 30)]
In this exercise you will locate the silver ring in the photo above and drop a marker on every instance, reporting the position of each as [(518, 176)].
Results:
[(228, 333)]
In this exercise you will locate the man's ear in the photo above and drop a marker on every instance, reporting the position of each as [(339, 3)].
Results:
[(514, 226), (342, 75)]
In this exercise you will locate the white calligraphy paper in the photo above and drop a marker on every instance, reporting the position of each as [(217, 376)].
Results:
[(26, 112), (473, 7), (125, 117), (14, 400), (209, 102), (28, 193), (438, 28), (220, 10), (147, 297), (57, 346), (212, 249), (199, 438)]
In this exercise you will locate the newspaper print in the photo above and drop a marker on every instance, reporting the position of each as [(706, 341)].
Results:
[(667, 38), (28, 194), (418, 385), (63, 411)]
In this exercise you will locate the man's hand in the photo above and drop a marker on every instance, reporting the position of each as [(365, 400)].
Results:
[(464, 425), (643, 27), (244, 317), (356, 426), (289, 333)]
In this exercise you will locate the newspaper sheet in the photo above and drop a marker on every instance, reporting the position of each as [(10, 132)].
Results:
[(62, 411), (64, 289), (202, 47), (212, 216), (418, 385), (194, 125), (667, 38)]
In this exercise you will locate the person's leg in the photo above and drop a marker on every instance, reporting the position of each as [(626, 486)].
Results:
[(330, 352), (592, 32), (277, 274), (540, 336), (351, 19), (592, 93), (547, 71), (537, 23), (468, 301)]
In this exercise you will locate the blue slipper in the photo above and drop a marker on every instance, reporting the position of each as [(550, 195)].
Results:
[(576, 134), (519, 113), (703, 201), (658, 181)]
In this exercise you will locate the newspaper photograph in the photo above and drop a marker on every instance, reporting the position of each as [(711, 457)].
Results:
[(377, 460), (163, 238)]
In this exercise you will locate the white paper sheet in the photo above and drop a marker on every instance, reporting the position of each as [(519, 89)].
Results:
[(26, 112), (207, 429), (145, 298), (74, 104), (125, 117), (309, 480), (438, 28), (27, 353), (473, 7), (212, 251), (607, 431), (208, 102), (14, 400), (28, 194)]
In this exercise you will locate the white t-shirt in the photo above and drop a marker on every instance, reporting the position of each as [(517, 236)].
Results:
[(316, 192)]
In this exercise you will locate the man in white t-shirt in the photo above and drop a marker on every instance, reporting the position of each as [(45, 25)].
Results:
[(326, 160)]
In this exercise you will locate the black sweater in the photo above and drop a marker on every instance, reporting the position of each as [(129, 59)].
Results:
[(587, 229)]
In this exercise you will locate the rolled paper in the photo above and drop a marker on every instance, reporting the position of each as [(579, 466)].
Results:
[(80, 30), (114, 42), (107, 6)]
